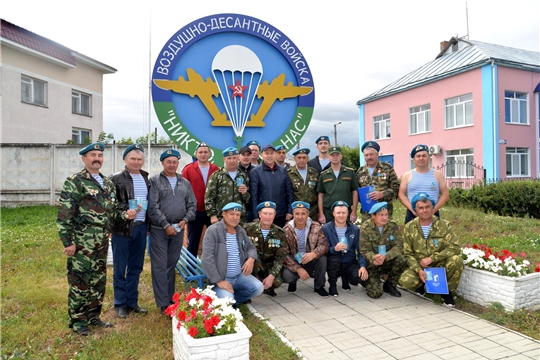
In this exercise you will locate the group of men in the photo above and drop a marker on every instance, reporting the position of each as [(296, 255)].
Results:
[(266, 223)]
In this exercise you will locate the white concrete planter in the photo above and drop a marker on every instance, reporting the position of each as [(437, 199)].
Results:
[(484, 287), (232, 346)]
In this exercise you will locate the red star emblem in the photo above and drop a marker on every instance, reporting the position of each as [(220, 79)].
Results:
[(237, 89)]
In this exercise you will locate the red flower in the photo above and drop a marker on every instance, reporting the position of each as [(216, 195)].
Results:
[(537, 268), (193, 313), (475, 246), (182, 315), (192, 331), (215, 319), (209, 327), (178, 326), (176, 297)]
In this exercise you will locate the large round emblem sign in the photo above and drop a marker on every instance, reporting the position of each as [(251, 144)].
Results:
[(228, 79)]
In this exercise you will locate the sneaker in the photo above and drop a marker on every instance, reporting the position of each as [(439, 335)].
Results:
[(321, 291), (292, 287), (270, 292), (421, 290), (448, 300), (333, 290), (346, 286)]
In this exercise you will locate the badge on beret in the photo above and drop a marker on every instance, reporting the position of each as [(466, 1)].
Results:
[(96, 146), (169, 152), (137, 146), (267, 204)]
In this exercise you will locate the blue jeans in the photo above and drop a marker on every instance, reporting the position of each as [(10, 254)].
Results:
[(128, 261), (245, 288)]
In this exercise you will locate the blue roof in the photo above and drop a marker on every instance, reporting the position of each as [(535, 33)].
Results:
[(456, 57)]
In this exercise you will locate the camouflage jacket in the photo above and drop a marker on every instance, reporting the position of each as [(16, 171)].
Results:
[(384, 179), (221, 190), (305, 190), (271, 253), (441, 243), (316, 242), (86, 209), (371, 238)]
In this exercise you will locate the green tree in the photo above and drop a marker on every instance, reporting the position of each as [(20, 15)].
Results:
[(105, 138), (125, 141), (154, 139), (351, 156)]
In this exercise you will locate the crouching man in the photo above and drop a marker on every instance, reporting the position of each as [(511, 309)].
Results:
[(306, 250), (382, 247), (228, 257)]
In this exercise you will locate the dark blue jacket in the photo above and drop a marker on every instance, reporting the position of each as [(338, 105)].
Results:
[(353, 238), (267, 184)]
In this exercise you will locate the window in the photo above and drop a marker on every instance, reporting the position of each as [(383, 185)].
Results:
[(81, 136), (459, 111), (517, 161), (33, 91), (460, 163), (515, 107), (381, 127), (420, 119), (80, 103)]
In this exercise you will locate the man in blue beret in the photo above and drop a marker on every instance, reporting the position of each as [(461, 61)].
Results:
[(129, 237), (344, 257), (171, 205), (269, 240), (228, 264), (382, 247), (430, 242), (87, 207), (379, 174), (306, 250), (322, 161), (255, 150), (422, 179), (304, 181), (280, 156)]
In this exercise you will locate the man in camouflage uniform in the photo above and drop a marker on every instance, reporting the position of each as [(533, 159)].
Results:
[(86, 209), (379, 174), (225, 186), (304, 181), (382, 247), (430, 242), (269, 240)]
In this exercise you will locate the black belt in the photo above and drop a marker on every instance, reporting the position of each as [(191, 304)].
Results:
[(137, 223)]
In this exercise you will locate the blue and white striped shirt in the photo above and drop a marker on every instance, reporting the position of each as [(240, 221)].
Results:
[(426, 230), (234, 268), (141, 192), (99, 179)]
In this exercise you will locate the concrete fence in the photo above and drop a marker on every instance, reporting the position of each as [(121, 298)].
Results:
[(35, 173)]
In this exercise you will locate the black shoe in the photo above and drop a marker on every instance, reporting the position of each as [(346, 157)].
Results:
[(448, 300), (162, 309), (353, 282), (321, 291), (137, 309), (333, 290), (345, 286), (363, 283), (84, 331), (292, 287), (421, 290), (100, 323), (248, 301), (270, 292), (390, 289), (122, 312)]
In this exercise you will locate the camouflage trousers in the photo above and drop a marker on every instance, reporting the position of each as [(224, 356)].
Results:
[(454, 267), (87, 278), (394, 268), (262, 273)]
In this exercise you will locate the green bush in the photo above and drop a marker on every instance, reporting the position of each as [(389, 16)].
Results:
[(520, 198)]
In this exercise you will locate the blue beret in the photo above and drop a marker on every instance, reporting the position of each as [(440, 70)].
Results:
[(334, 149), (321, 138), (168, 153), (419, 148), (95, 146), (266, 204), (371, 144), (301, 151), (232, 206), (378, 207), (339, 203), (132, 147), (253, 142), (300, 205), (203, 144), (281, 147), (230, 151), (268, 146), (421, 196)]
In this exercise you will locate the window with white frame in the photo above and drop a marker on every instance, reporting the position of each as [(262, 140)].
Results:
[(460, 163), (80, 103), (420, 119), (515, 107), (81, 136), (517, 161), (381, 127), (458, 111), (33, 91)]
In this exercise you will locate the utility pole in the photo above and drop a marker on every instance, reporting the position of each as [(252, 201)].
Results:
[(335, 133)]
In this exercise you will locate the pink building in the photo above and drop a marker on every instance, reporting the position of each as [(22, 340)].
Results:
[(476, 103)]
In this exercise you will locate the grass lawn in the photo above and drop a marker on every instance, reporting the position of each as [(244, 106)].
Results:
[(34, 291)]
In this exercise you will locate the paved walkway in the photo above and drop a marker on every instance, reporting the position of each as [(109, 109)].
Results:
[(354, 326)]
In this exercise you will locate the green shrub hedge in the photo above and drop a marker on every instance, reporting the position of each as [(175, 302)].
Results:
[(520, 198)]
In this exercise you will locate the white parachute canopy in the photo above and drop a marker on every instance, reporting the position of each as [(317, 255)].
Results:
[(237, 71)]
